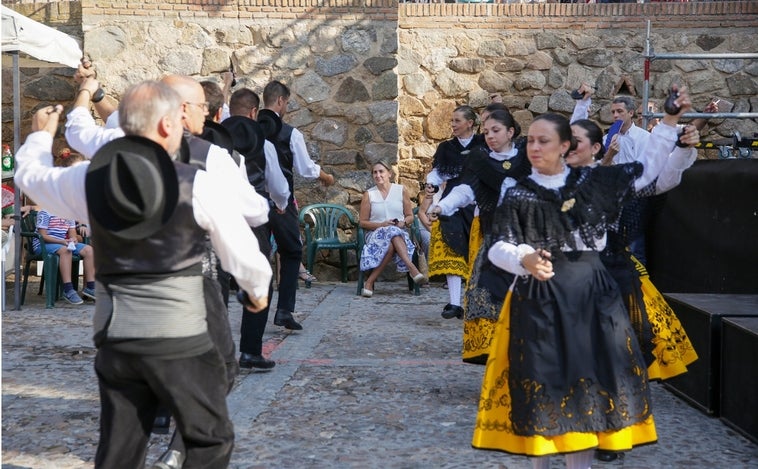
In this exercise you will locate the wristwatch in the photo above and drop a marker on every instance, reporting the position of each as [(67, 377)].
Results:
[(98, 95)]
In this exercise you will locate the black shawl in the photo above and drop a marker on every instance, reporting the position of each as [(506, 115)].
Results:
[(589, 202)]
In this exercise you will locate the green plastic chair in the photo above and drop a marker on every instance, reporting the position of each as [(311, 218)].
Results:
[(51, 279), (415, 235), (321, 225)]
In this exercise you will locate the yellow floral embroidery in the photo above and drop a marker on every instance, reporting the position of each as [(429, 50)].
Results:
[(567, 205)]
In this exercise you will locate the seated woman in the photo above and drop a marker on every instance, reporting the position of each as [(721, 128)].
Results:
[(385, 212)]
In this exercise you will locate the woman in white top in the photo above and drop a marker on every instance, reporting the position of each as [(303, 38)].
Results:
[(385, 212)]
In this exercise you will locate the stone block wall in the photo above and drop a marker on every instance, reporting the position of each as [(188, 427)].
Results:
[(534, 55), (376, 79), (40, 86)]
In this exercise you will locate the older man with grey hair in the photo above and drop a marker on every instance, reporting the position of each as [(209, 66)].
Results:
[(149, 216)]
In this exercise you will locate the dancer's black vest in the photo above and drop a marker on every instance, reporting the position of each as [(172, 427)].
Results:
[(284, 153), (172, 249)]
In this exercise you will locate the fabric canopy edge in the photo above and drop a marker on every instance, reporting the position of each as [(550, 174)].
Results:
[(41, 45)]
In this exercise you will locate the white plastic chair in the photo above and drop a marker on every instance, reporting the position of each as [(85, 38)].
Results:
[(8, 260)]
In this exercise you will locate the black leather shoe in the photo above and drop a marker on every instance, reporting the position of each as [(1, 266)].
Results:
[(452, 311), (606, 456), (161, 425), (284, 318), (171, 459), (248, 360)]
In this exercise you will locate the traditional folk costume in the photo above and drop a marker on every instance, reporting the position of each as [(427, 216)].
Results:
[(565, 372), (663, 341), (672, 349), (448, 247), (662, 338), (482, 180)]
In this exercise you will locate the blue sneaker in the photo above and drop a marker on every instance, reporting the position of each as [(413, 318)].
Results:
[(72, 297), (88, 293)]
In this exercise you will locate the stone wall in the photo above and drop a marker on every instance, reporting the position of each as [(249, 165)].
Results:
[(534, 55), (376, 79), (40, 86)]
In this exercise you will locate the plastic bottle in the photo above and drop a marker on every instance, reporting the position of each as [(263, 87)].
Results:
[(7, 161)]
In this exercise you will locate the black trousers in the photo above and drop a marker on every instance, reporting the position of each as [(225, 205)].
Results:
[(217, 318), (286, 233), (254, 324), (131, 388)]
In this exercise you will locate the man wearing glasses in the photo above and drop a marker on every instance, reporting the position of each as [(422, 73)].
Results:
[(85, 136)]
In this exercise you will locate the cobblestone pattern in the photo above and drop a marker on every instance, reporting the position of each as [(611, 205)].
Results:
[(369, 383)]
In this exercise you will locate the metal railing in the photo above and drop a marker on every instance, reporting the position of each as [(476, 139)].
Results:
[(650, 55)]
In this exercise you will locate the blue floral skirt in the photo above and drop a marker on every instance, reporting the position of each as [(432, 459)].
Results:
[(378, 243)]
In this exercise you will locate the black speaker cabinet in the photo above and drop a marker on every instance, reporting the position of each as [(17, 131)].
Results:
[(739, 375), (701, 236), (701, 316)]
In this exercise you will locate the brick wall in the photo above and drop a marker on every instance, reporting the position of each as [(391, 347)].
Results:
[(245, 9), (441, 21), (65, 16), (577, 16), (416, 15)]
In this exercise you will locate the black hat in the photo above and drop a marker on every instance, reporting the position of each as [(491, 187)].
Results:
[(217, 135), (131, 187), (246, 134), (271, 123)]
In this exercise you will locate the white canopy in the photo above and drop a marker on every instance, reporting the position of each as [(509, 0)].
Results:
[(41, 46)]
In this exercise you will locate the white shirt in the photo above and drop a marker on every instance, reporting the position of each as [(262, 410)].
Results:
[(462, 194), (383, 209), (434, 178), (254, 206), (86, 137), (671, 174), (507, 256), (581, 109), (276, 183), (62, 191), (302, 162), (631, 144), (679, 160)]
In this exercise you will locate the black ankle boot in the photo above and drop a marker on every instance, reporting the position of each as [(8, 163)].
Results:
[(285, 318), (452, 311)]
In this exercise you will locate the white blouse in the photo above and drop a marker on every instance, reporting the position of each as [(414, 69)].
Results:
[(386, 209)]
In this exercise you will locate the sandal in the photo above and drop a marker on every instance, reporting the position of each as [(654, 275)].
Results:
[(306, 276)]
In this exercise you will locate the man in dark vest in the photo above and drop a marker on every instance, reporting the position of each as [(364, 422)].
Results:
[(263, 173), (88, 138), (215, 158), (149, 216), (293, 156)]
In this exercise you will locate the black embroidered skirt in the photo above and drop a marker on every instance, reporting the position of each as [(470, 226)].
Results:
[(565, 371)]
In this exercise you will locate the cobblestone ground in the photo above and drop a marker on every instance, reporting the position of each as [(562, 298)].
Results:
[(368, 383)]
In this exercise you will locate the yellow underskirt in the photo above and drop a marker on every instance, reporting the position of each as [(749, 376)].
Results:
[(474, 243), (493, 425), (443, 260), (477, 338), (673, 349)]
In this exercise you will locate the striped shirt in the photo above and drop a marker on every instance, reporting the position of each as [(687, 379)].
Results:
[(56, 227)]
